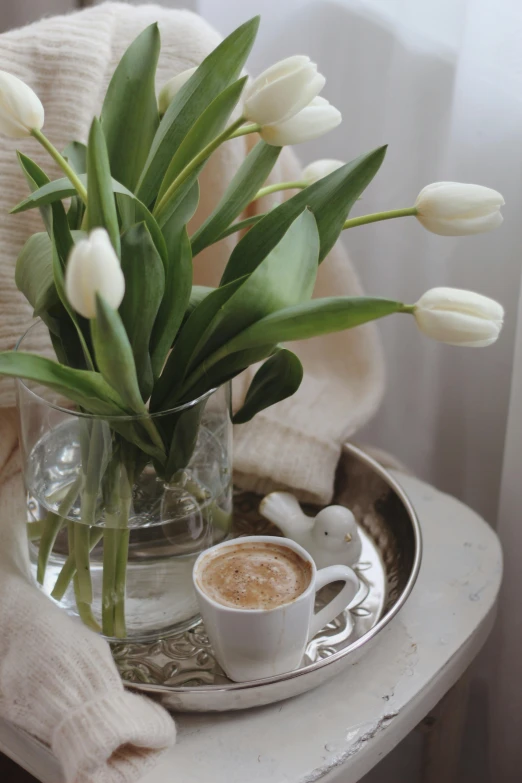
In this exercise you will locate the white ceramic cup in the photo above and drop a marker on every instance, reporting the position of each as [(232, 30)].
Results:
[(252, 644)]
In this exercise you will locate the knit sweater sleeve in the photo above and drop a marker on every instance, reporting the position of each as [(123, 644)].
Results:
[(57, 678)]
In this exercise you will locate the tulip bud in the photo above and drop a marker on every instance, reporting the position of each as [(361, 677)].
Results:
[(20, 108), (317, 118), (459, 317), (456, 209), (172, 87), (94, 268), (319, 169), (282, 90)]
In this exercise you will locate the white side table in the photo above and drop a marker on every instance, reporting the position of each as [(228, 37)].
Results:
[(344, 728)]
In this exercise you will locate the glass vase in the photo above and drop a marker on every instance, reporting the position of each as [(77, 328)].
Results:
[(111, 538)]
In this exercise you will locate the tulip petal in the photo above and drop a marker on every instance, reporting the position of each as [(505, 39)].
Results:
[(457, 208), (172, 87), (277, 99), (319, 169), (459, 317), (448, 199), (444, 298), (457, 328), (289, 64), (10, 127), (94, 268), (20, 108), (317, 118), (458, 227)]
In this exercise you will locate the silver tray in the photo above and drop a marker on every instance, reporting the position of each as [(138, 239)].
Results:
[(181, 672)]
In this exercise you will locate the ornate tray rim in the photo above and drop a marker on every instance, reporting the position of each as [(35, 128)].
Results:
[(201, 690)]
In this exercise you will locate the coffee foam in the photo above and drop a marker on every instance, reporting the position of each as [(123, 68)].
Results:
[(254, 575)]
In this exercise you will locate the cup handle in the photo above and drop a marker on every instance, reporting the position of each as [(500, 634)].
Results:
[(335, 573)]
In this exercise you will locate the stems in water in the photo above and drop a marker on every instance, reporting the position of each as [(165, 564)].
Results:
[(84, 610), (52, 524), (69, 567)]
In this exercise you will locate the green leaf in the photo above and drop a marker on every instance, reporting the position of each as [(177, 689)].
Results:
[(177, 363), (330, 199), (35, 179), (34, 273), (134, 433), (177, 292), (129, 115), (185, 429), (133, 211), (178, 280), (87, 389), (58, 190), (114, 355), (144, 289), (197, 294), (75, 213), (178, 219), (101, 205), (53, 191), (206, 128), (310, 319), (54, 218), (227, 369), (278, 378), (62, 188), (240, 225), (222, 66), (284, 278), (64, 338), (76, 155), (252, 173)]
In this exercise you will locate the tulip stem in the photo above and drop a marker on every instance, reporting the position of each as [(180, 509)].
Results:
[(298, 185), (196, 161), (376, 216), (408, 309), (60, 160), (245, 130)]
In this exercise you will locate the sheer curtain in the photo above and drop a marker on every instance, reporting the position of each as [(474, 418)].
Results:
[(441, 82)]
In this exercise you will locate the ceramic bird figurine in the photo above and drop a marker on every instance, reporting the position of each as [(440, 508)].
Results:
[(331, 538)]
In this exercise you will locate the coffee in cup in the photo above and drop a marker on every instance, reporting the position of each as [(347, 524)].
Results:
[(255, 575)]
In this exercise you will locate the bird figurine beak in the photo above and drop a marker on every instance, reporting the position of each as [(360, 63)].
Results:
[(348, 538)]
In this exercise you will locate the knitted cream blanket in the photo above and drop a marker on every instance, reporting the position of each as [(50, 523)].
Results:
[(57, 679)]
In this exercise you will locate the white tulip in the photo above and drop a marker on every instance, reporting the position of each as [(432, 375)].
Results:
[(94, 268), (320, 169), (172, 87), (20, 108), (282, 90), (455, 208), (317, 118), (459, 317)]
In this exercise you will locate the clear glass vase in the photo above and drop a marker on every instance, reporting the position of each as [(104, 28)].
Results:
[(110, 537)]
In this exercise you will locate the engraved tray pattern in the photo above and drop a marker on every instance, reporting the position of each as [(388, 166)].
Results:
[(184, 663)]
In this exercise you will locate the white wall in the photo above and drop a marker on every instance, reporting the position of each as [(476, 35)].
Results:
[(16, 13)]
